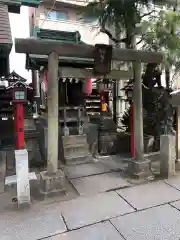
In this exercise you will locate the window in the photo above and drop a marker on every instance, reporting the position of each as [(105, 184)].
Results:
[(19, 95), (56, 15), (90, 19)]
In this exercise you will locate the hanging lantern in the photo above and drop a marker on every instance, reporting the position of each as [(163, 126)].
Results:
[(87, 87)]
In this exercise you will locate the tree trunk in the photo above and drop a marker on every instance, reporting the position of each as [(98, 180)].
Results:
[(114, 101), (167, 78), (168, 107)]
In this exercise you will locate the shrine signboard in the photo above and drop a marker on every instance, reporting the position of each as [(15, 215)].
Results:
[(102, 59)]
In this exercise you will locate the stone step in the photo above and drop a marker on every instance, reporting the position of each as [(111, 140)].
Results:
[(74, 140), (82, 145), (72, 119), (73, 130), (76, 152), (76, 149), (79, 160), (78, 155)]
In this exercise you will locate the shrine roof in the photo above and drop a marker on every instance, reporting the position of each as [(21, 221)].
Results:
[(57, 35), (34, 61), (19, 84), (14, 77)]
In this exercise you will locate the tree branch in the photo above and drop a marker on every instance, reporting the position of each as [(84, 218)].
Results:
[(122, 40), (140, 40), (147, 14)]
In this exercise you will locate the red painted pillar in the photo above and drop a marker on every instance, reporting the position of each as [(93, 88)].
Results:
[(19, 126), (132, 130)]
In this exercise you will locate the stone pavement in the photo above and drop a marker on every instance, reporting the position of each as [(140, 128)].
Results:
[(106, 206), (143, 212)]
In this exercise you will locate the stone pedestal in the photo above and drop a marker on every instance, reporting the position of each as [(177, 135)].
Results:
[(167, 156), (140, 169), (52, 184), (107, 135), (22, 174)]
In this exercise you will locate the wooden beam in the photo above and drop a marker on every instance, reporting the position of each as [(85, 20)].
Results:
[(87, 73), (45, 47)]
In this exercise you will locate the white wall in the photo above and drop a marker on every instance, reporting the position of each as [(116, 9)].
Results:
[(89, 32), (19, 28)]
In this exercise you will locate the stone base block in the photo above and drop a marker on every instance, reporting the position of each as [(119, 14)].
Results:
[(22, 176), (140, 169), (51, 184), (167, 156)]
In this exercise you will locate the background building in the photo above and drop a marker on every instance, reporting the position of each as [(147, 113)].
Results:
[(66, 16)]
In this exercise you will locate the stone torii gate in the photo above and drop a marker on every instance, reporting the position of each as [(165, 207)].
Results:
[(54, 50)]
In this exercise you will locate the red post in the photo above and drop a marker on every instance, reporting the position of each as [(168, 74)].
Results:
[(132, 130), (19, 125)]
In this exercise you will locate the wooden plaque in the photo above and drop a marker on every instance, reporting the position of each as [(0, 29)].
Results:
[(102, 59)]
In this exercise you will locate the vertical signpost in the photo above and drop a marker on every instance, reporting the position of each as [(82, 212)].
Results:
[(102, 66), (19, 125), (19, 94)]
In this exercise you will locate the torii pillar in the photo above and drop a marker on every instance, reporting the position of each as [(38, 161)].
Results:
[(52, 180), (138, 166), (53, 111)]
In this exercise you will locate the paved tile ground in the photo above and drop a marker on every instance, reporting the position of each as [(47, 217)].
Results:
[(115, 162), (102, 165), (174, 182), (83, 170), (31, 224), (99, 231), (101, 216), (85, 211), (176, 204), (99, 183), (149, 195), (158, 223)]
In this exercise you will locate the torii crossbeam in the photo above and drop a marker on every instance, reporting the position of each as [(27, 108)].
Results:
[(45, 47)]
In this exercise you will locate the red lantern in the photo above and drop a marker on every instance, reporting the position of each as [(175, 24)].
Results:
[(87, 87)]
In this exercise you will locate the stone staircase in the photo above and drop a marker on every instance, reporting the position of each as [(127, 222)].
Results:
[(76, 149), (73, 148)]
